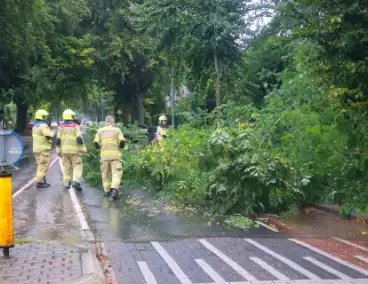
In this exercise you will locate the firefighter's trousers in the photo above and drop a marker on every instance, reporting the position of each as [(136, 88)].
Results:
[(71, 163), (111, 171), (43, 162)]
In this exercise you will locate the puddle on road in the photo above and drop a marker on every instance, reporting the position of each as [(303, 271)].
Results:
[(46, 214), (137, 217)]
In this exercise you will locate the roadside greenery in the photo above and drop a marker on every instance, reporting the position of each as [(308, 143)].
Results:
[(304, 73)]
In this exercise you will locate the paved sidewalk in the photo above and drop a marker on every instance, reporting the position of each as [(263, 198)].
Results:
[(41, 263)]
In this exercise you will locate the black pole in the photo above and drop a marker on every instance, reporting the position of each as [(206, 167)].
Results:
[(6, 252)]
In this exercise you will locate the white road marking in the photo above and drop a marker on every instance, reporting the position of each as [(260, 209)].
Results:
[(210, 271), (362, 258), (228, 261), (31, 181), (351, 244), (284, 260), (147, 274), (300, 281), (275, 282), (327, 268), (343, 262), (77, 208), (172, 264), (267, 226), (269, 269)]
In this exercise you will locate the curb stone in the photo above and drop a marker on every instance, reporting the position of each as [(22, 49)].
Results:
[(336, 211), (92, 270)]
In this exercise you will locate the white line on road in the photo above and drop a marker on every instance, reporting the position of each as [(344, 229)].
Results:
[(362, 258), (210, 271), (267, 226), (351, 244), (147, 274), (172, 264), (284, 260), (300, 281), (76, 205), (228, 261), (31, 181), (327, 268), (343, 262), (84, 223), (269, 269)]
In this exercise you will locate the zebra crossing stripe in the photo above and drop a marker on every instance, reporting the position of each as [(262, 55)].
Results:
[(351, 244), (183, 278), (284, 260), (299, 281), (327, 268), (362, 258), (343, 262), (267, 226), (228, 261), (147, 274), (210, 271), (269, 269)]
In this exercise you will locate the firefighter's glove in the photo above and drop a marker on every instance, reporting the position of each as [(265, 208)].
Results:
[(97, 146)]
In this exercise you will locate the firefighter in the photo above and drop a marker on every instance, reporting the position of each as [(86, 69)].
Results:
[(42, 143), (70, 147), (163, 128), (109, 140), (253, 119)]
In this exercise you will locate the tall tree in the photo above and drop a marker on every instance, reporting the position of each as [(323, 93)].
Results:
[(204, 34)]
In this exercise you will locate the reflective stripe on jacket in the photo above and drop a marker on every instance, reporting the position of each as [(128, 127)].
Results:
[(67, 136), (42, 137), (109, 138)]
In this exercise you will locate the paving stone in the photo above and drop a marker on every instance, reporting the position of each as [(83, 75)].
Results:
[(41, 263)]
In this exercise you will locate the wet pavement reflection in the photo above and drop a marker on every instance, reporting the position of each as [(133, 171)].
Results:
[(44, 214), (137, 217)]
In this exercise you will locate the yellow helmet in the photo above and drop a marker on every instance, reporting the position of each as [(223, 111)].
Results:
[(41, 114), (68, 114), (161, 118)]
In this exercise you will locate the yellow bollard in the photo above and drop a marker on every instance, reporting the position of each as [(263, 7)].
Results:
[(6, 213)]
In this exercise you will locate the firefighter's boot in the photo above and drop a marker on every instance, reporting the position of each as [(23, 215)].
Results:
[(114, 194), (67, 186), (77, 185), (42, 185)]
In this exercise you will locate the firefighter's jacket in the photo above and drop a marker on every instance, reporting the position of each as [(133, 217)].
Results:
[(110, 140), (69, 139), (42, 137), (162, 133)]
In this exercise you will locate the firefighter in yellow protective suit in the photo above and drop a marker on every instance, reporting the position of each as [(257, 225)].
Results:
[(42, 143), (109, 140), (70, 147), (163, 128)]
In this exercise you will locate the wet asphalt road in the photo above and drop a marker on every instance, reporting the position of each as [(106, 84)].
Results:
[(137, 217), (150, 242), (43, 214)]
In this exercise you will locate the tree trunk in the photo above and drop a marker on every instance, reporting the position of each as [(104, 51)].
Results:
[(140, 109), (58, 112), (22, 118), (218, 78)]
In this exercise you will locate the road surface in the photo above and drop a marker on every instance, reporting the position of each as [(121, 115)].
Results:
[(148, 242)]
